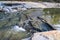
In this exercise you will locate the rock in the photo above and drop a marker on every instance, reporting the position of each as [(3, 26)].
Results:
[(27, 38), (51, 35)]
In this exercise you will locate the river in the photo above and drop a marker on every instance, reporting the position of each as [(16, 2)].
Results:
[(8, 30)]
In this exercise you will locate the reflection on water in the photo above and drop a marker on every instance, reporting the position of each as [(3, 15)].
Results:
[(8, 20)]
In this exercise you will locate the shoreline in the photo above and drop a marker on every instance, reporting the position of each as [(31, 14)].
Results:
[(36, 4)]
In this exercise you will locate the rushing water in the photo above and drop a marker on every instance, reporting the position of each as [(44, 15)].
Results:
[(8, 21)]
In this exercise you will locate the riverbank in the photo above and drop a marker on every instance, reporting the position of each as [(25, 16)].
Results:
[(36, 4)]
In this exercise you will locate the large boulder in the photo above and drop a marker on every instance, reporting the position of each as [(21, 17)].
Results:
[(51, 35)]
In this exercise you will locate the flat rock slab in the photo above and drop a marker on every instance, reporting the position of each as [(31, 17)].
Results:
[(51, 35)]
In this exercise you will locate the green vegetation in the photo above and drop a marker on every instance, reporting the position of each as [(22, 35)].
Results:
[(10, 35), (54, 13), (7, 21)]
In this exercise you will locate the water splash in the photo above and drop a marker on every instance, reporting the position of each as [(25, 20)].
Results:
[(57, 26), (17, 28)]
